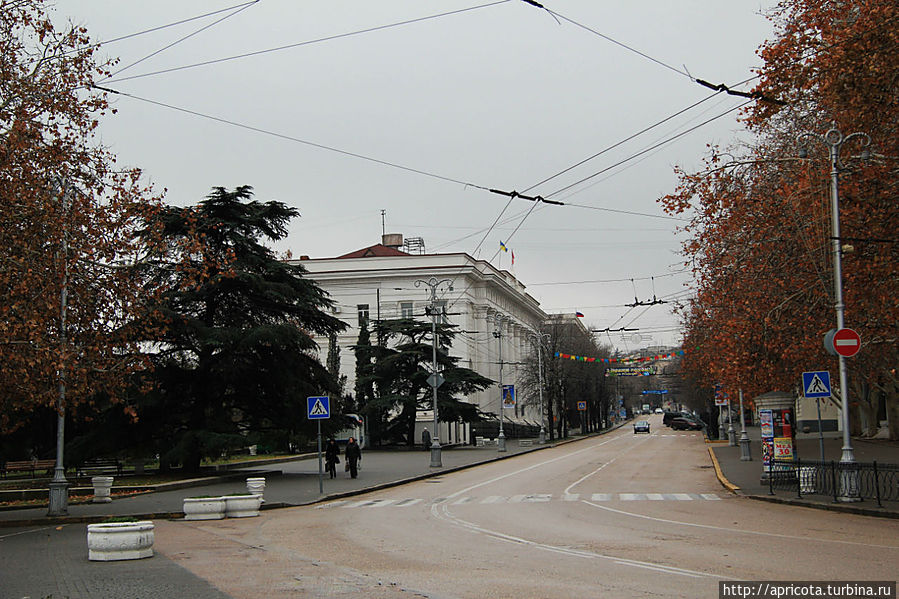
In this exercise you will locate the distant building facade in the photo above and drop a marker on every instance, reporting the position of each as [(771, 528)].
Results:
[(379, 282)]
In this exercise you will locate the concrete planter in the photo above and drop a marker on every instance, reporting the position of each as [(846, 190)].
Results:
[(120, 541), (256, 486), (204, 508), (242, 506), (102, 487)]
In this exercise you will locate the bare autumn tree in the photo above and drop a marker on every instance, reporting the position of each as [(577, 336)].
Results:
[(68, 221), (761, 234)]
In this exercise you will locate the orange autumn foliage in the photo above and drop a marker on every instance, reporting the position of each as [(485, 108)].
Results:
[(760, 242)]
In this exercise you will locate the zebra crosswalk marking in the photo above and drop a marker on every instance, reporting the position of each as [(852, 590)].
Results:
[(522, 498), (406, 502), (601, 497)]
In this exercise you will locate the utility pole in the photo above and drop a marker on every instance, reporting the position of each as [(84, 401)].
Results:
[(435, 380), (834, 140)]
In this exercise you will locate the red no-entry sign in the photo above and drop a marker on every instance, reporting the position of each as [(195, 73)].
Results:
[(844, 342)]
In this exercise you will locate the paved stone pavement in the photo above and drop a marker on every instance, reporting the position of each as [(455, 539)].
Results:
[(42, 558), (747, 475)]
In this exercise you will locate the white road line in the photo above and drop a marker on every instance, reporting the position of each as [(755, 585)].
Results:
[(710, 496), (601, 497), (331, 504), (570, 497), (380, 502), (739, 530), (655, 497), (683, 497), (353, 504), (463, 500), (442, 513), (517, 498), (631, 496)]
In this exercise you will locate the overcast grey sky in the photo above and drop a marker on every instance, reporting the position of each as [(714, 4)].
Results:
[(502, 96)]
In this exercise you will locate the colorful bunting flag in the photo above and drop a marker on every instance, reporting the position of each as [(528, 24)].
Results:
[(679, 352)]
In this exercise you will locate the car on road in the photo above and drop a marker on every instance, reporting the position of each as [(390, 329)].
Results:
[(682, 423), (641, 426), (669, 416), (659, 411)]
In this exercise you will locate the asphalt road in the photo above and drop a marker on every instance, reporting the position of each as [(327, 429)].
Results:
[(620, 515)]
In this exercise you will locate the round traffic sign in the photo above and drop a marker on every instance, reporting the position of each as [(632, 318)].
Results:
[(846, 342)]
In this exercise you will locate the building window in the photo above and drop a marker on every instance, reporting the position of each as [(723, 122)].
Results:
[(362, 310), (441, 311), (406, 310)]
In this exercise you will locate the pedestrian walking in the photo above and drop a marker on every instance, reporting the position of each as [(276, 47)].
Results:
[(425, 439), (353, 455), (332, 450)]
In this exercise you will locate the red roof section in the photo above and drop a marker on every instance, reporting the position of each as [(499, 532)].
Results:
[(375, 251)]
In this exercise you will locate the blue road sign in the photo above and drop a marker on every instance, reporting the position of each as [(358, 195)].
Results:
[(816, 384), (318, 407)]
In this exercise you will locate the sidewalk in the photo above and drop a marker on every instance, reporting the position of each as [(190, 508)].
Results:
[(746, 476), (288, 483), (47, 557)]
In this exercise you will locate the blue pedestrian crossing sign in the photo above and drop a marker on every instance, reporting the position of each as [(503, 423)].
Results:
[(318, 407), (816, 384)]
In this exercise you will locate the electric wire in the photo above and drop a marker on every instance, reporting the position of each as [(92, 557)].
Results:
[(652, 147), (306, 42), (292, 138), (178, 41)]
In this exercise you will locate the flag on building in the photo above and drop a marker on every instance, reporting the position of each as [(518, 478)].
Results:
[(503, 247), (579, 315)]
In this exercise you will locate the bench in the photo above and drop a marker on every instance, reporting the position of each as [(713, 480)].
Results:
[(96, 466), (28, 466)]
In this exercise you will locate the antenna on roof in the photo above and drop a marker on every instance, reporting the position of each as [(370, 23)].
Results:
[(383, 223)]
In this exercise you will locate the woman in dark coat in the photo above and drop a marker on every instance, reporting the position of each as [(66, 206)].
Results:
[(353, 454), (332, 450)]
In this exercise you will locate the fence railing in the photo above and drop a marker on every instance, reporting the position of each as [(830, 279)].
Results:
[(865, 480)]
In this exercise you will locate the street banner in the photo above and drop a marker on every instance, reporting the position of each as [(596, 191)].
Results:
[(508, 397)]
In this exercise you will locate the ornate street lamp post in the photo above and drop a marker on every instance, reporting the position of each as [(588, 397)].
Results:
[(834, 141), (498, 333), (435, 379)]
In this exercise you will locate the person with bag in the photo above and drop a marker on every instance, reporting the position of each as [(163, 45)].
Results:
[(353, 456), (332, 450)]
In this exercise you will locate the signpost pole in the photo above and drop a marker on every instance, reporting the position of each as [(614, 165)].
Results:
[(820, 432), (745, 456), (321, 474), (731, 434)]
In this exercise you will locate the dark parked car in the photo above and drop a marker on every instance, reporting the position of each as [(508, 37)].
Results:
[(669, 416), (641, 426), (682, 423)]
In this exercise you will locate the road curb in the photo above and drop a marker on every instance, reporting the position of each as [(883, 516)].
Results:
[(830, 507), (721, 478), (323, 499)]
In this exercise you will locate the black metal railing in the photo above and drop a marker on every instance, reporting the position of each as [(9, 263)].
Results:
[(865, 480)]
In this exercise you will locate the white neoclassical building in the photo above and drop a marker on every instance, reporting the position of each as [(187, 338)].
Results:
[(379, 282)]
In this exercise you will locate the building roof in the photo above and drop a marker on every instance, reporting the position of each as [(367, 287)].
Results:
[(375, 251)]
